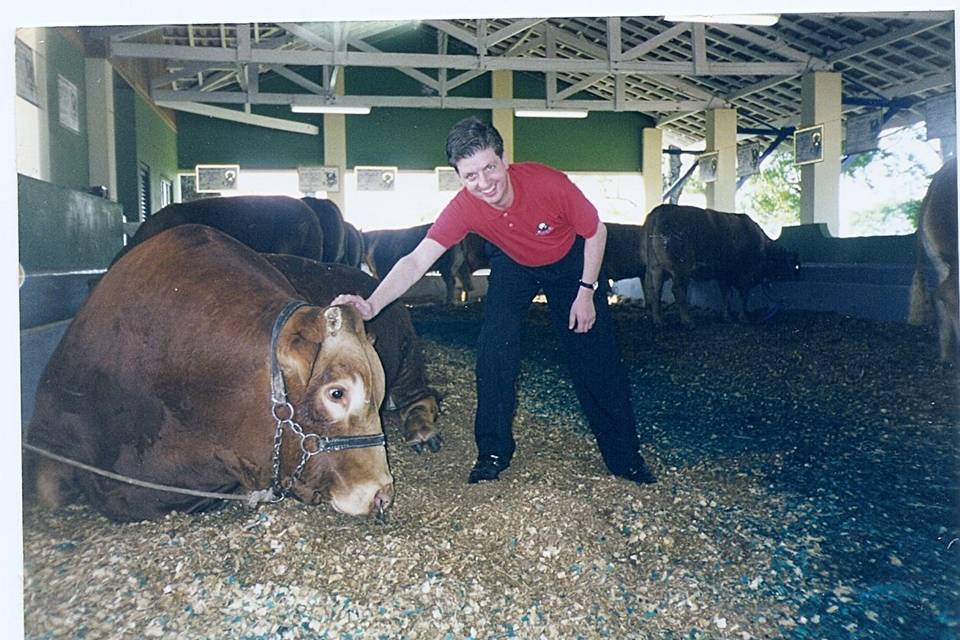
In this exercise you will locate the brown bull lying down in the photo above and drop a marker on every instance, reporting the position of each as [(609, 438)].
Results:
[(384, 247), (394, 337), (937, 240), (268, 224), (690, 243), (164, 376)]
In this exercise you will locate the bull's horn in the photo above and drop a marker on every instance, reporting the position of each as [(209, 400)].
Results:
[(334, 317)]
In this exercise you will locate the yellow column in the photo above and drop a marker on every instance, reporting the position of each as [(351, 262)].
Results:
[(652, 169), (335, 146), (722, 138), (820, 181), (503, 118)]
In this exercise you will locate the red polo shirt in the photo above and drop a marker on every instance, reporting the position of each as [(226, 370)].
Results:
[(547, 214)]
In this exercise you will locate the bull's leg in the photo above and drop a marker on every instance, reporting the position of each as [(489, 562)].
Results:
[(680, 295), (948, 324), (465, 276), (51, 478), (419, 424), (451, 286), (744, 297), (652, 288), (726, 290)]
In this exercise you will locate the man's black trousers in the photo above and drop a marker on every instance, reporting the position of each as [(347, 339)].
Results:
[(592, 358)]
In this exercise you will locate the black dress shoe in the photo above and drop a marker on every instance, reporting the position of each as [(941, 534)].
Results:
[(486, 468), (640, 474)]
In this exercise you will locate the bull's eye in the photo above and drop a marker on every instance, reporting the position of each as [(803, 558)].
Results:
[(336, 394)]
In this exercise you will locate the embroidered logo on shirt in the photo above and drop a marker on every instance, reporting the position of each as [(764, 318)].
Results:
[(543, 229)]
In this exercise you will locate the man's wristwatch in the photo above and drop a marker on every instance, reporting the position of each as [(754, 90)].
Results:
[(590, 285)]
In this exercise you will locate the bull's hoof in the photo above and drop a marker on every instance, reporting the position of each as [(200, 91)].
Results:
[(433, 443)]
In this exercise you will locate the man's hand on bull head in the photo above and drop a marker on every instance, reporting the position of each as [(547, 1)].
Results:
[(361, 304)]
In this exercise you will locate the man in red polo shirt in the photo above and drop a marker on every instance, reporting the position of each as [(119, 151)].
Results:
[(542, 234)]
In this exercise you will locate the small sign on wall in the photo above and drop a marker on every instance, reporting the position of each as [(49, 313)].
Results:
[(314, 179), (376, 178), (217, 177), (447, 179), (863, 133), (748, 159), (708, 166), (69, 101), (808, 145), (941, 117), (26, 75)]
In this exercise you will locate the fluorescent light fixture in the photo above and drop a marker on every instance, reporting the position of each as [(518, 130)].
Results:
[(550, 113), (757, 19), (329, 108)]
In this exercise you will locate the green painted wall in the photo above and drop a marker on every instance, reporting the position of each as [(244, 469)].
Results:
[(815, 244), (156, 148), (603, 141), (415, 138), (62, 230), (205, 140), (69, 164), (125, 125)]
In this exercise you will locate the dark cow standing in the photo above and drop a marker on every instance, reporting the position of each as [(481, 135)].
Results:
[(267, 224), (690, 243), (937, 240), (164, 376), (334, 234), (394, 337), (355, 247), (621, 257), (384, 247)]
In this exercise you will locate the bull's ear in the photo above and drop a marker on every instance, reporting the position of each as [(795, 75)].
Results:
[(299, 344), (341, 318)]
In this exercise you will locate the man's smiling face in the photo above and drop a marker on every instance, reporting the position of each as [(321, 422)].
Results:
[(484, 174)]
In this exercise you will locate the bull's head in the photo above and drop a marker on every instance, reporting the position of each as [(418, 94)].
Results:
[(780, 263), (335, 383)]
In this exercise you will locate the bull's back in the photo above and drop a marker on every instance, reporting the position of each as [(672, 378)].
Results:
[(267, 224), (188, 310), (331, 220)]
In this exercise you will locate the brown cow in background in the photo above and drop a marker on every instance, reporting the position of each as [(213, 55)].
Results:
[(395, 340), (937, 240), (690, 243)]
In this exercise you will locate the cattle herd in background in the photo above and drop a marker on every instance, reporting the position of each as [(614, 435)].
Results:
[(153, 377)]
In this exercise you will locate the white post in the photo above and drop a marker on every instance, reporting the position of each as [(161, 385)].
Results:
[(722, 138), (820, 181)]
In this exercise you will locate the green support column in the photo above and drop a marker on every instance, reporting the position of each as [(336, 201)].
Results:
[(820, 181), (503, 118), (722, 138), (652, 169)]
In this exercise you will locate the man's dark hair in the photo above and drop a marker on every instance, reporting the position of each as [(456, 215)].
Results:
[(469, 136)]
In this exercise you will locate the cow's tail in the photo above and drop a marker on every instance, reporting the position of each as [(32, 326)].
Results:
[(921, 310)]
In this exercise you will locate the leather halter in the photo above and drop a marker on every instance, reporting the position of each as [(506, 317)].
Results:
[(310, 443)]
